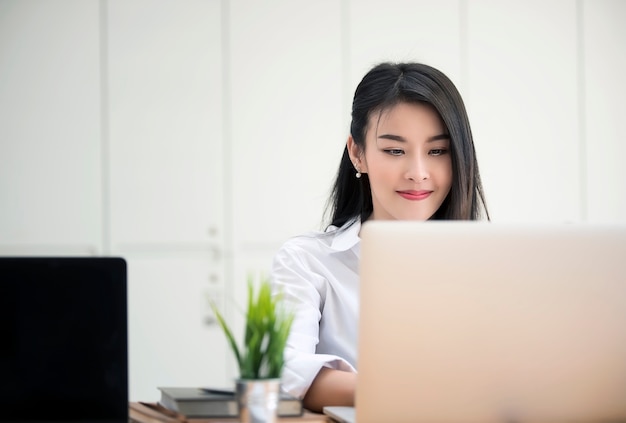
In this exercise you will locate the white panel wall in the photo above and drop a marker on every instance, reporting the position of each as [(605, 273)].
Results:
[(523, 101), (604, 58), (50, 186)]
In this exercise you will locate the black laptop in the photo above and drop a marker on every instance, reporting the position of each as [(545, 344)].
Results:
[(64, 339)]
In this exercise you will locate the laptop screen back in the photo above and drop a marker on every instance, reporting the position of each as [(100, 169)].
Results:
[(64, 339), (485, 322)]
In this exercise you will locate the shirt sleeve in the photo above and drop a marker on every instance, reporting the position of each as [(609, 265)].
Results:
[(303, 289)]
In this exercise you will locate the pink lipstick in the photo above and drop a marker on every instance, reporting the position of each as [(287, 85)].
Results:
[(415, 195)]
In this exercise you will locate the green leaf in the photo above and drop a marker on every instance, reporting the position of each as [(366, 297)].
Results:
[(267, 328), (227, 332)]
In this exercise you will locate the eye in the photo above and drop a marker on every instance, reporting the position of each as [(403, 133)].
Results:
[(394, 151), (438, 151)]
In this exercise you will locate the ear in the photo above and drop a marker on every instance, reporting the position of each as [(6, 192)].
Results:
[(356, 155)]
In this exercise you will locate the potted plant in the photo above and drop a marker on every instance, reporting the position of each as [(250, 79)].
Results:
[(260, 359)]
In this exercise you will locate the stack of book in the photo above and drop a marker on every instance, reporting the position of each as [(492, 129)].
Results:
[(207, 402), (181, 404), (201, 405), (145, 412)]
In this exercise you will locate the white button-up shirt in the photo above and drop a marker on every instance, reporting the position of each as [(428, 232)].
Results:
[(318, 276)]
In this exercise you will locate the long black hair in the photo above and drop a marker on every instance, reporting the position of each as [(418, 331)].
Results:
[(384, 86)]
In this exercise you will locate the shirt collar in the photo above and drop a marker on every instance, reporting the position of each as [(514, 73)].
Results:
[(347, 236)]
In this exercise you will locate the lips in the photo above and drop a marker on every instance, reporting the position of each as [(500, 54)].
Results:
[(414, 195)]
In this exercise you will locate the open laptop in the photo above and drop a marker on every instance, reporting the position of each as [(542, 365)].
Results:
[(486, 322), (63, 323)]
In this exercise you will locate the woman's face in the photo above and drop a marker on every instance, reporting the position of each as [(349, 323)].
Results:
[(407, 161)]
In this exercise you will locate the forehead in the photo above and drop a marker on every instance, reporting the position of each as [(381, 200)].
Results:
[(407, 117)]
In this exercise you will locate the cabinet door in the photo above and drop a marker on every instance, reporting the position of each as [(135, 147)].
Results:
[(165, 120), (287, 135), (173, 338), (50, 165), (604, 93), (523, 99)]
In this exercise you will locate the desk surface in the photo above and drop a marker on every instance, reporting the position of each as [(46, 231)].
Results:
[(152, 413)]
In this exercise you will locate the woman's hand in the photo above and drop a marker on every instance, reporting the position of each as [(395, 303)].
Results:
[(330, 387)]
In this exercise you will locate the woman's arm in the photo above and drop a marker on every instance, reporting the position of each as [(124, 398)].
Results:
[(330, 387)]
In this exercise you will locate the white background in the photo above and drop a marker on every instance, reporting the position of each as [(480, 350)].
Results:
[(193, 137)]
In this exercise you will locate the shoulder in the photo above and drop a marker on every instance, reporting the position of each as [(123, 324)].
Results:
[(303, 250), (321, 244), (306, 264)]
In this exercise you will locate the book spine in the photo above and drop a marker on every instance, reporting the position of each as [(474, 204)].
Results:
[(289, 408)]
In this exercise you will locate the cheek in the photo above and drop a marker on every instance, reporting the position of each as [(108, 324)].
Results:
[(378, 172), (446, 173)]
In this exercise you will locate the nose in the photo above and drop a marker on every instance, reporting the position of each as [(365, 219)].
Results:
[(417, 169)]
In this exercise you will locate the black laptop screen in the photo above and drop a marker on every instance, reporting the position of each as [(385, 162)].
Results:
[(63, 323)]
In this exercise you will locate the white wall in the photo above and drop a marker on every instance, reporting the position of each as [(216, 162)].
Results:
[(193, 137)]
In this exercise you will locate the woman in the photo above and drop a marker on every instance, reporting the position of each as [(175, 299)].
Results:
[(410, 156)]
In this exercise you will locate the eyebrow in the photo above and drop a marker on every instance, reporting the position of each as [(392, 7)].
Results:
[(402, 139)]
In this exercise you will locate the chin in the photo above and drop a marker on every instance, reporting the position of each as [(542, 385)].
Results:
[(422, 215), (415, 217)]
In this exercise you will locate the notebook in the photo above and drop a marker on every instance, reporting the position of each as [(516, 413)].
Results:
[(486, 322), (64, 340), (340, 414)]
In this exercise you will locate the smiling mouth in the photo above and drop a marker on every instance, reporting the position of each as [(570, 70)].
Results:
[(414, 195)]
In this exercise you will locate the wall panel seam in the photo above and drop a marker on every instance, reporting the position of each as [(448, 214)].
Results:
[(582, 110), (464, 50), (346, 60), (105, 156), (228, 261)]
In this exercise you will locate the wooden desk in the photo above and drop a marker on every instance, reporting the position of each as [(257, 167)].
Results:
[(152, 413)]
